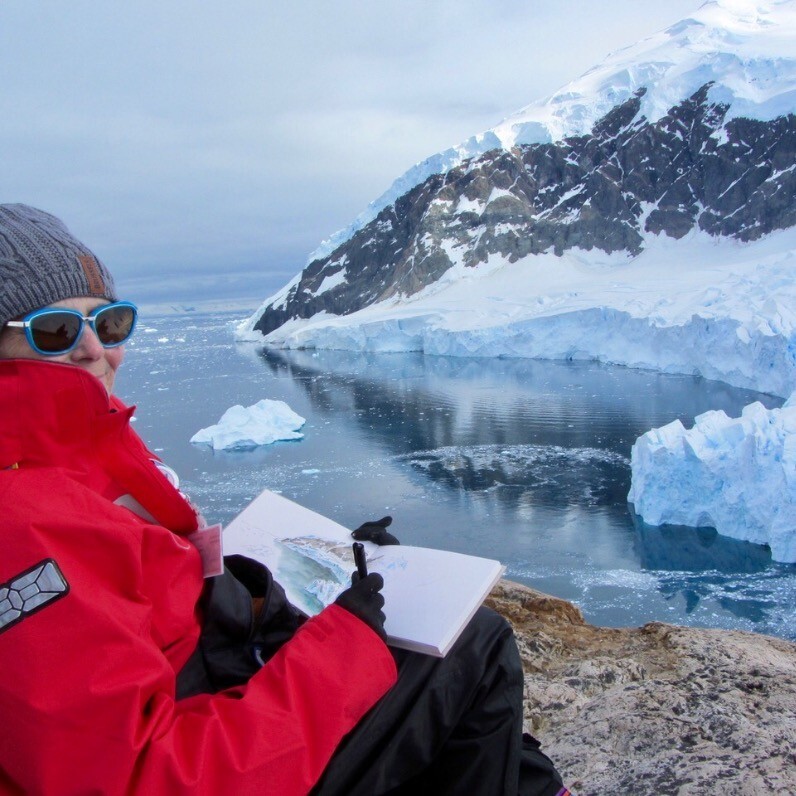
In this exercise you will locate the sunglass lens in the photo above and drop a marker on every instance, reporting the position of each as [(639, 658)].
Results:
[(114, 324), (55, 332)]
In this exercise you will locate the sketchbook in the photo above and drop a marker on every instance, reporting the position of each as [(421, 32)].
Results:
[(430, 595)]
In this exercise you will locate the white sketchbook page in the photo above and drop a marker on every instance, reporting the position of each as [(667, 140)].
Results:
[(430, 595)]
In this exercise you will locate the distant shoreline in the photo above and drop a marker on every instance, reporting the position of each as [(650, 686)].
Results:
[(245, 306)]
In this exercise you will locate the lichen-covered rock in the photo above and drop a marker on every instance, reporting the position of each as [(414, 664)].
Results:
[(655, 710)]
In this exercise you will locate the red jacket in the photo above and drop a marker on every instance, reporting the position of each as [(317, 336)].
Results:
[(87, 676)]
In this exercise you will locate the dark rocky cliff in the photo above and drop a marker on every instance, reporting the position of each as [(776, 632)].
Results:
[(688, 170)]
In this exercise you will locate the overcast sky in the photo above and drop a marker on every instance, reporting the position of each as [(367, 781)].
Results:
[(185, 141)]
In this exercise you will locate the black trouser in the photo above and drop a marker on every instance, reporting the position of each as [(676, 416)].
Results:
[(450, 725)]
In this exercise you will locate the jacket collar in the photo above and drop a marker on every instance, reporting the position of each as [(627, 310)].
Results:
[(50, 412), (59, 415)]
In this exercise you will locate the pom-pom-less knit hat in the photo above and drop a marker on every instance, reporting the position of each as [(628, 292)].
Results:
[(41, 262)]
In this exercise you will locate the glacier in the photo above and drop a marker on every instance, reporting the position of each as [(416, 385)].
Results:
[(714, 307), (737, 475), (245, 427)]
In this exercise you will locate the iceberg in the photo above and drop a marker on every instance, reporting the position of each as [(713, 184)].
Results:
[(737, 475), (244, 427)]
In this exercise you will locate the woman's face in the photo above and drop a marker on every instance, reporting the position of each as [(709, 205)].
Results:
[(87, 354)]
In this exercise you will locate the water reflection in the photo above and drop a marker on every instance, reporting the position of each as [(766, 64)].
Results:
[(414, 402), (699, 563), (674, 547), (531, 440)]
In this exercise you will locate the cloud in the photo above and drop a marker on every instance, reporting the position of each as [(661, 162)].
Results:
[(180, 138)]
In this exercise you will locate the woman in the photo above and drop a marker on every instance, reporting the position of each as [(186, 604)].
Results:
[(124, 670)]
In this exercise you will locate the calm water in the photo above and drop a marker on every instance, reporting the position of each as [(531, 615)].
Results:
[(524, 461)]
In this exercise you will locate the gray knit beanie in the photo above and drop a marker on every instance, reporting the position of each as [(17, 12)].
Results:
[(41, 262)]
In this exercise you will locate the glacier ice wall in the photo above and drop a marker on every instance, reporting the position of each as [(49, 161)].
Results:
[(737, 475)]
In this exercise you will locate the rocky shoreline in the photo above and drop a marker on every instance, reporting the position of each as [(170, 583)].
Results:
[(654, 710)]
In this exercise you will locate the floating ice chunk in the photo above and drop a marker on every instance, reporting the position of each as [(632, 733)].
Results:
[(246, 427), (737, 475)]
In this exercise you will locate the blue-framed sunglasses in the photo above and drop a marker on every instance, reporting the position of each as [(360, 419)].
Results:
[(56, 330)]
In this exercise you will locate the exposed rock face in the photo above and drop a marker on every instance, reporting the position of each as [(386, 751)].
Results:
[(688, 170), (655, 710)]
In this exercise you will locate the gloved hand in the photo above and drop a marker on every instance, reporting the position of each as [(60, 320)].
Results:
[(364, 600), (375, 531)]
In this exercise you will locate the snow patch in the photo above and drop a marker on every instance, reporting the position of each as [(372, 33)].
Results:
[(332, 281), (466, 205), (499, 193)]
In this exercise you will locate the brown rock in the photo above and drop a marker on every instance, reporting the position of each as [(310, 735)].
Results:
[(658, 709)]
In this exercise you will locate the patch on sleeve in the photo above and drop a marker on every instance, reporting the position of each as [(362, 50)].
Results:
[(30, 591)]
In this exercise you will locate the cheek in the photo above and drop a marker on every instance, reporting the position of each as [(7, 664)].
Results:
[(6, 344), (14, 345), (114, 357)]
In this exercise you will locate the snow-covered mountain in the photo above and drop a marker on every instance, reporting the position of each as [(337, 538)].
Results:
[(645, 215)]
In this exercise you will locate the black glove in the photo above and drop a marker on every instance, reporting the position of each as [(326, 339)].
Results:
[(364, 600), (375, 531)]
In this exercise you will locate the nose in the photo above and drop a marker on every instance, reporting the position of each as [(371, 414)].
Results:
[(88, 347)]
